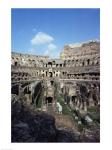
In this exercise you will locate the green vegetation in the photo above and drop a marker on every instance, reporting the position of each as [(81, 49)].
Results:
[(94, 113), (92, 109), (66, 109)]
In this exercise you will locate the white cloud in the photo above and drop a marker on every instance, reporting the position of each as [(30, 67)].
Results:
[(43, 42), (52, 46), (52, 51), (41, 38)]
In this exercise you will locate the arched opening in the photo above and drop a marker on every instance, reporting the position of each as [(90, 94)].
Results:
[(53, 62), (60, 65), (56, 65), (52, 82), (50, 64), (49, 100), (50, 74), (46, 73), (88, 61), (73, 99), (16, 63), (15, 89), (83, 63)]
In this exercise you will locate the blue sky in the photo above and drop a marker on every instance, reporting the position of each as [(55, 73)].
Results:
[(46, 31)]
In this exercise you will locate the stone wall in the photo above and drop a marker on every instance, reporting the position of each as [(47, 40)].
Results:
[(80, 94), (76, 62)]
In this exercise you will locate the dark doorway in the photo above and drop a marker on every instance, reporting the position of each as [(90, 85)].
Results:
[(56, 65), (15, 89), (83, 63), (50, 74), (46, 73), (73, 98), (88, 61), (49, 100), (52, 82), (53, 62), (16, 63), (50, 63)]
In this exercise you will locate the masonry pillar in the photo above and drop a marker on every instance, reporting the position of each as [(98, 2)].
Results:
[(21, 93), (81, 105), (85, 106), (91, 102)]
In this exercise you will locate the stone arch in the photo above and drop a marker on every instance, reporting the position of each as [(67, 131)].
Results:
[(50, 74), (83, 63), (50, 63), (88, 62), (49, 100), (60, 65), (46, 73), (53, 62), (73, 98), (16, 63), (52, 82)]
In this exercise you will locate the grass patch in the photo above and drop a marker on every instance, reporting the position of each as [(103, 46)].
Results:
[(92, 109)]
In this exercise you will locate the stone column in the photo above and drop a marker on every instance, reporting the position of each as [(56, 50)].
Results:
[(85, 106), (91, 102), (21, 93), (81, 106), (78, 103), (98, 95)]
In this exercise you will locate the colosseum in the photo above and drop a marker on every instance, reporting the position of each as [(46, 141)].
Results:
[(67, 89)]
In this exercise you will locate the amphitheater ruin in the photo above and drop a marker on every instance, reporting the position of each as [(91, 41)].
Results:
[(57, 86)]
